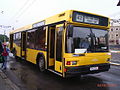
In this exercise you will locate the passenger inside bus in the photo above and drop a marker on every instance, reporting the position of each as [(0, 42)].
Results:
[(84, 44)]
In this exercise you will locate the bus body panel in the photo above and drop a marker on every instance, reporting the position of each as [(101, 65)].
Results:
[(88, 59), (18, 49), (51, 61), (32, 55), (58, 66)]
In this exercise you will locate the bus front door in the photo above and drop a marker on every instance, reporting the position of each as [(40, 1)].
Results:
[(58, 49), (55, 39)]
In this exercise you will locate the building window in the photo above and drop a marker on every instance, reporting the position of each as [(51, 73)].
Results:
[(116, 28), (111, 29), (117, 35), (112, 36)]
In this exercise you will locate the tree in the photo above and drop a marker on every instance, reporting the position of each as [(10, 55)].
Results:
[(2, 38)]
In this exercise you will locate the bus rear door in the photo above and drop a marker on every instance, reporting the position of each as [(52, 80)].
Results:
[(23, 45)]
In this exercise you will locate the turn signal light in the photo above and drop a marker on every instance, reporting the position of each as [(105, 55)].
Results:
[(68, 63)]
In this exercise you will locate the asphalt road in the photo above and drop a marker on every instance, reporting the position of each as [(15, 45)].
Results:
[(27, 77), (115, 58)]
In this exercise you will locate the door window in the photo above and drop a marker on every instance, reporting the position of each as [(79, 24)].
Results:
[(59, 44)]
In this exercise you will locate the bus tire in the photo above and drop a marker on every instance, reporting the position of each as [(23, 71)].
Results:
[(41, 64)]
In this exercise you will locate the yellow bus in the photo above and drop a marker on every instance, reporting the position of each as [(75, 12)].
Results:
[(68, 44)]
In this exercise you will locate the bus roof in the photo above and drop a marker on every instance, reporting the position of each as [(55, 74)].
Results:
[(64, 16)]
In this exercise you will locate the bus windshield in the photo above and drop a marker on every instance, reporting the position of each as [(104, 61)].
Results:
[(80, 39)]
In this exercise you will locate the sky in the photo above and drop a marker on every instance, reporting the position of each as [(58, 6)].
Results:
[(18, 13)]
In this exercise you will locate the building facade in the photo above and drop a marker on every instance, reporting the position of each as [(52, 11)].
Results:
[(114, 35)]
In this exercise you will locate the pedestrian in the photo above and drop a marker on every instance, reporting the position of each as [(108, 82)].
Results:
[(5, 54), (1, 57)]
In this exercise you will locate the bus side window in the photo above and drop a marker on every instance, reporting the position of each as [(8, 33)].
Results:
[(31, 39), (17, 39), (40, 38)]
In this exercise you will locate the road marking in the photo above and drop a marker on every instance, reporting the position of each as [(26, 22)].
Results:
[(115, 63)]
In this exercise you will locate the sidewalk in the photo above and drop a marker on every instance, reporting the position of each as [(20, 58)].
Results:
[(115, 51), (115, 61), (117, 64), (5, 83)]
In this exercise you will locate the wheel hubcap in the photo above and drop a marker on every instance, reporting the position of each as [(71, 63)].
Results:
[(41, 64)]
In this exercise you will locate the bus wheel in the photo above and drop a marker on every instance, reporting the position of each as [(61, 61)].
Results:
[(41, 64)]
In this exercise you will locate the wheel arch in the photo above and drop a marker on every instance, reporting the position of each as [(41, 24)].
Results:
[(38, 56)]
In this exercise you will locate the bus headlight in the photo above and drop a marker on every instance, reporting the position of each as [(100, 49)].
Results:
[(74, 62), (71, 63)]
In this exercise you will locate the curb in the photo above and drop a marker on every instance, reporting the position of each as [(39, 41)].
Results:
[(117, 64), (115, 51), (8, 81)]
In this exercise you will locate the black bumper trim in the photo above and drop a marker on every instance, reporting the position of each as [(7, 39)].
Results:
[(81, 70)]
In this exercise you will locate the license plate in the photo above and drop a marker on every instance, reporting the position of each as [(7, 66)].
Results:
[(93, 68)]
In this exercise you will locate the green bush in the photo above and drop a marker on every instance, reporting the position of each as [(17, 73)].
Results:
[(2, 38)]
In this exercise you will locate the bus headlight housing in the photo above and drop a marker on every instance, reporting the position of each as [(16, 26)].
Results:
[(74, 62), (71, 63)]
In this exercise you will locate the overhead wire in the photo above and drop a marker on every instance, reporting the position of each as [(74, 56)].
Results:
[(22, 7), (27, 7)]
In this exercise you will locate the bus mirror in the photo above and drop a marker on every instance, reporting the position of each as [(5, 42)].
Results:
[(70, 31)]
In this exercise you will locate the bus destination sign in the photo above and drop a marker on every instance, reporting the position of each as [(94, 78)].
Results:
[(89, 19), (38, 24)]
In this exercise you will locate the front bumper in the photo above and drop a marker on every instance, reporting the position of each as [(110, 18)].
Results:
[(81, 70)]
